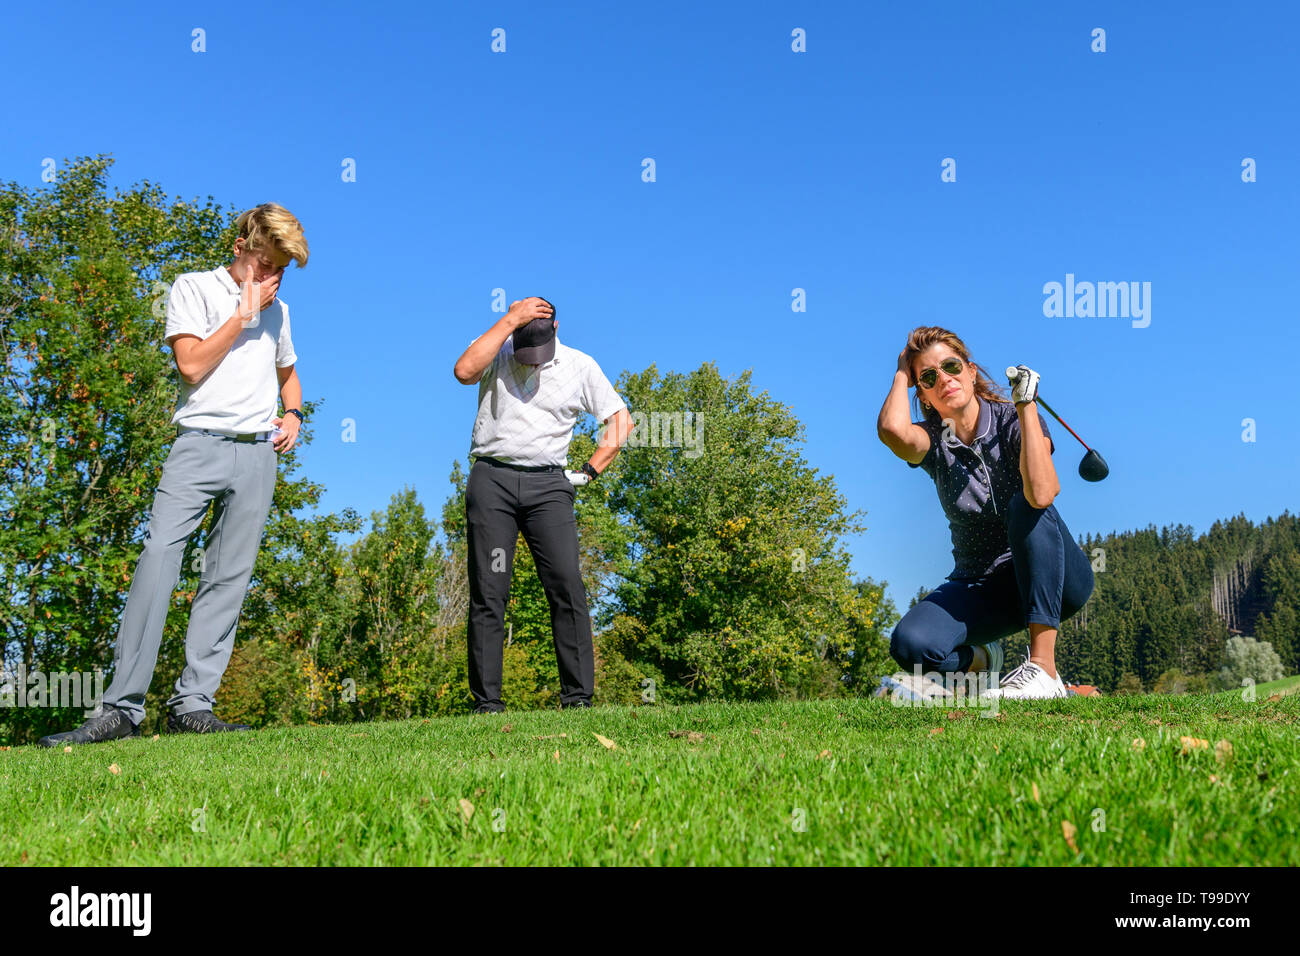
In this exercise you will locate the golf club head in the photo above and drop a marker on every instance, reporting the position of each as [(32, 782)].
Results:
[(1093, 467)]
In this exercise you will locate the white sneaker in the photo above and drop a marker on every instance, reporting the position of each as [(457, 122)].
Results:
[(1028, 682)]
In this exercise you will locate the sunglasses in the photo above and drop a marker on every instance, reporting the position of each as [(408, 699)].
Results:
[(951, 367)]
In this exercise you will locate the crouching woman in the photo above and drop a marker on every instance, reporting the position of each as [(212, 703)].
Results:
[(1016, 564)]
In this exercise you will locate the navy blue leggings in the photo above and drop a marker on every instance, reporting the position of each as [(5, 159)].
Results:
[(1046, 581)]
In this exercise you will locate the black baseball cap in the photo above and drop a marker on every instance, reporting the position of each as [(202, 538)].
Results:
[(535, 342)]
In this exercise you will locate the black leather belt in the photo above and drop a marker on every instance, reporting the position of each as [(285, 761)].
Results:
[(513, 467)]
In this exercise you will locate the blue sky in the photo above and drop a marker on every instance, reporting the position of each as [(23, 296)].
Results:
[(775, 170)]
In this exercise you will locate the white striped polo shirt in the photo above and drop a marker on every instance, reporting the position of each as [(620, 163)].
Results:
[(526, 414)]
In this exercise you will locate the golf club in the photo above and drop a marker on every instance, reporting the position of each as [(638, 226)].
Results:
[(1093, 467)]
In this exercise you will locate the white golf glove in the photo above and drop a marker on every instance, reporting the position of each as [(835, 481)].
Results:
[(1024, 383), (577, 478)]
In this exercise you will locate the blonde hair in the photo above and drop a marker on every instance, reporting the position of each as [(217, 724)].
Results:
[(920, 339), (270, 223)]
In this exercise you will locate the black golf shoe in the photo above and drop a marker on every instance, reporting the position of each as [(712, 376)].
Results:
[(110, 724), (200, 722)]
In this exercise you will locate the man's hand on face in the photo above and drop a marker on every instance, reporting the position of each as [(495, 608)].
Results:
[(255, 296), (268, 287), (271, 287), (288, 436), (524, 311)]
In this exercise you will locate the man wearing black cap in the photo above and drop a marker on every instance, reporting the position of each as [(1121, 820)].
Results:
[(531, 389)]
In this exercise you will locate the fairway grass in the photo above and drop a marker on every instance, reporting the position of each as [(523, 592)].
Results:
[(1287, 685), (1076, 781)]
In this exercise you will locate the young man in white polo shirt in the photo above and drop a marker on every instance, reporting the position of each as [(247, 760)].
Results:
[(531, 391), (230, 335)]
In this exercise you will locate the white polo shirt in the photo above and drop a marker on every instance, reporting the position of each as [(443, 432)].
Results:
[(526, 415), (242, 393)]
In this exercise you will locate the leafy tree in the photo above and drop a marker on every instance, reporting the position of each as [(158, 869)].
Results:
[(394, 569), (1280, 625), (1249, 659), (1174, 681), (1169, 599), (737, 583), (1128, 684)]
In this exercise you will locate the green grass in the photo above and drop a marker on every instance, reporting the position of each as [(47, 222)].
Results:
[(1289, 684), (1284, 686), (875, 783)]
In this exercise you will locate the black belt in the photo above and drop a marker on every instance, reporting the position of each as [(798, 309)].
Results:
[(247, 437), (513, 467)]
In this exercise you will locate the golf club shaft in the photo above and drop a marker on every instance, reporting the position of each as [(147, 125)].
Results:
[(1013, 374), (1040, 401)]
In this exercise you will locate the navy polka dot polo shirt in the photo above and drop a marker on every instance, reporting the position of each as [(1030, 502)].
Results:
[(976, 483)]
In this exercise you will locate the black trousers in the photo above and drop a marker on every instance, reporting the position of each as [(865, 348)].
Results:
[(501, 502)]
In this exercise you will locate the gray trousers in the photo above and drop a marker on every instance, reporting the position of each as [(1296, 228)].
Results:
[(238, 478)]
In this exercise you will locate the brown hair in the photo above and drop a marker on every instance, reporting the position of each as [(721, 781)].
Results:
[(920, 339)]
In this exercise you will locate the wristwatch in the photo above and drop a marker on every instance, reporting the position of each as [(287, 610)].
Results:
[(298, 412), (587, 469)]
